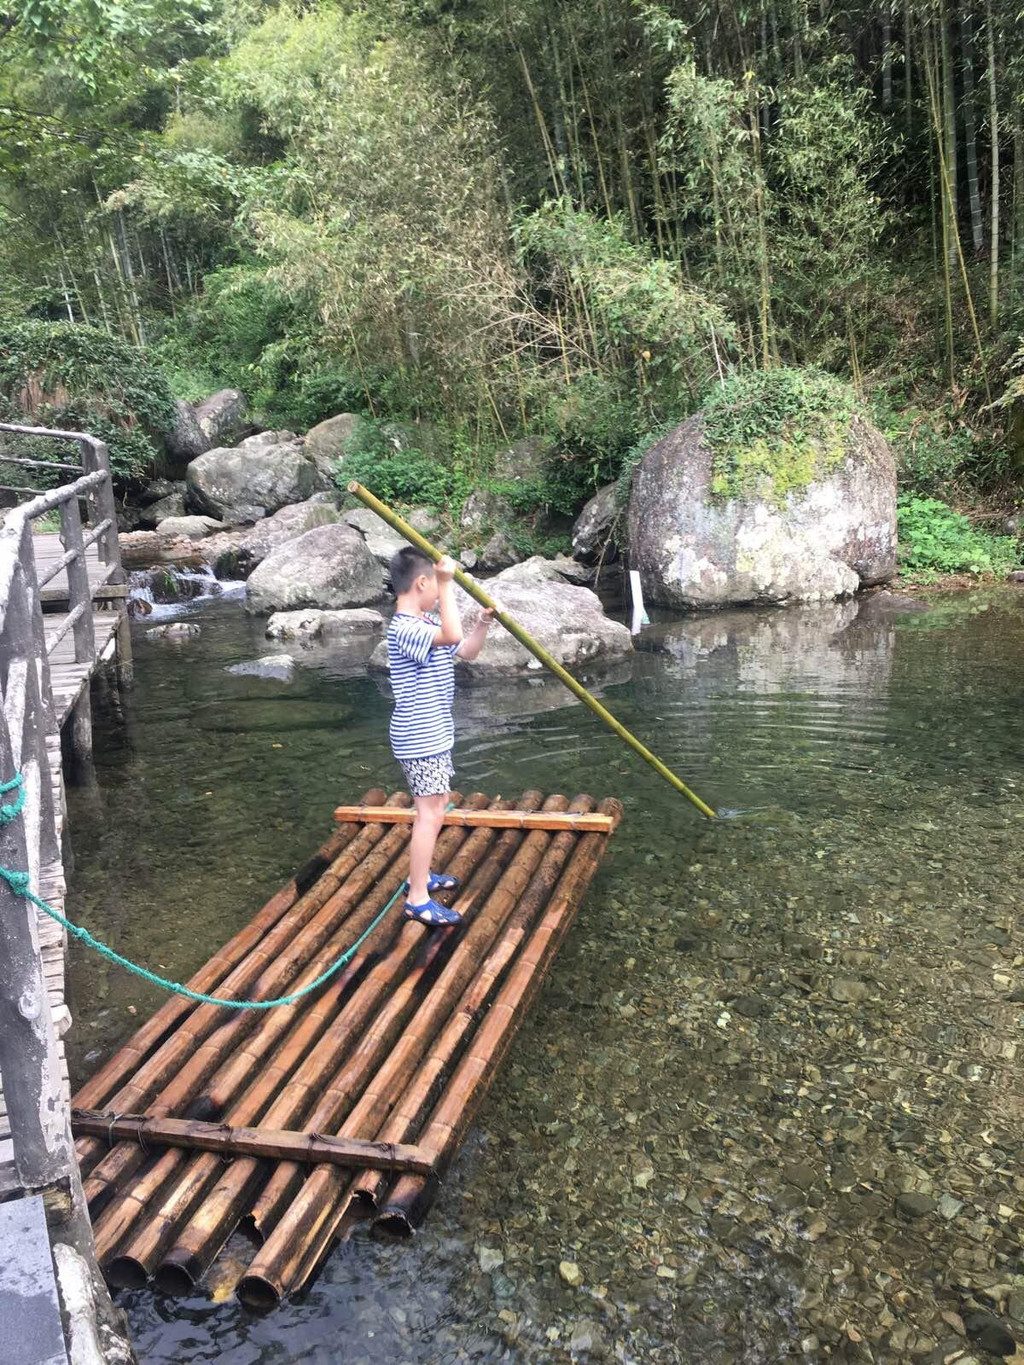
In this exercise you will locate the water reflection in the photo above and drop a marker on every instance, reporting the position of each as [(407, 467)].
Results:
[(768, 1103)]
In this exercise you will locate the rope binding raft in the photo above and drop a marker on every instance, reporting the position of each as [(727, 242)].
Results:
[(20, 883), (528, 642)]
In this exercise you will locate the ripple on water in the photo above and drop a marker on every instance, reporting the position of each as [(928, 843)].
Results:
[(761, 1033)]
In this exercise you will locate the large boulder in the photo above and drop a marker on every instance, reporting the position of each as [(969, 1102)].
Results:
[(186, 438), (695, 547), (223, 417), (592, 534), (171, 506), (234, 554), (329, 566), (191, 528), (329, 441), (568, 621), (523, 461), (236, 483)]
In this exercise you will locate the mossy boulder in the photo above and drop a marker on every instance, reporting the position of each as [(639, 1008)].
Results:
[(779, 491)]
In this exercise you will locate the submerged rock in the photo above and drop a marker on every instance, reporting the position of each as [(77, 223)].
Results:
[(278, 667), (695, 547), (235, 483), (314, 624), (175, 630), (329, 566)]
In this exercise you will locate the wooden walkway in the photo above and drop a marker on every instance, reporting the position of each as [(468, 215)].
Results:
[(349, 1105), (69, 681)]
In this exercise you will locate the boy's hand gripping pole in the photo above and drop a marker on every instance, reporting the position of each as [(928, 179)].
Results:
[(528, 642)]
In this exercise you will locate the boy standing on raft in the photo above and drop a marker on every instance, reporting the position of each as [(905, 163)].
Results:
[(421, 655)]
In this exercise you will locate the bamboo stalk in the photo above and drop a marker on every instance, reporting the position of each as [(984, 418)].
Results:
[(410, 1112), (309, 1223), (139, 1255), (411, 1198), (232, 1197), (127, 1059), (264, 973), (528, 642), (490, 819), (274, 1143)]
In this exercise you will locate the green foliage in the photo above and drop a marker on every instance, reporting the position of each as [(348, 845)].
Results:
[(400, 475), (931, 449), (81, 379), (936, 540), (772, 432)]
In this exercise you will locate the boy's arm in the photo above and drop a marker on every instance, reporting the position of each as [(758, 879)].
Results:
[(451, 627), (477, 637)]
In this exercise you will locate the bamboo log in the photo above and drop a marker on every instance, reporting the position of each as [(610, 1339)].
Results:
[(130, 1202), (580, 822), (266, 929), (284, 1184), (268, 970), (213, 1222), (411, 1197), (308, 1225), (528, 642), (115, 1071), (410, 1112), (275, 1143), (140, 1254), (162, 1184)]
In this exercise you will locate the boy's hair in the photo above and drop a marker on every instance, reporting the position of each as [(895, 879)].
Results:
[(407, 564)]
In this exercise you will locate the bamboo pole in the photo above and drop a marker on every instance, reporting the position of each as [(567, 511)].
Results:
[(269, 969), (308, 1224), (97, 1089), (274, 1143), (410, 1112), (411, 1197), (231, 1199), (491, 819), (528, 642)]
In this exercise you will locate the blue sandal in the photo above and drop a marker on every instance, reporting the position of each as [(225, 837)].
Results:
[(432, 914), (442, 881)]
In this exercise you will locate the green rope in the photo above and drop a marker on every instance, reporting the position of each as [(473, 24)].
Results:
[(19, 884)]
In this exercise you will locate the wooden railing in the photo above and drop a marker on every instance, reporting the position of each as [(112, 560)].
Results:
[(29, 1060)]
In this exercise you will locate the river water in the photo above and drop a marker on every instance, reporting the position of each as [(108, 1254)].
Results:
[(769, 1102)]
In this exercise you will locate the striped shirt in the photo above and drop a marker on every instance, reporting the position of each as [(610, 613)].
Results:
[(423, 681)]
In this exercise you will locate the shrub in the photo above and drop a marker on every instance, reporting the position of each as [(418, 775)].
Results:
[(400, 475), (772, 432), (81, 379), (936, 540)]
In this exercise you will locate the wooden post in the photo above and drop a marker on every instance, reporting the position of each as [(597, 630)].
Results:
[(96, 458)]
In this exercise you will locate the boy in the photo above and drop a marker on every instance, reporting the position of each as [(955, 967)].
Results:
[(421, 655)]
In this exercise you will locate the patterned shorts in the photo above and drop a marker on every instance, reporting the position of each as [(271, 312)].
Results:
[(429, 776)]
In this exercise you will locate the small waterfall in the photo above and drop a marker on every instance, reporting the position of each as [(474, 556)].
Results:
[(167, 591)]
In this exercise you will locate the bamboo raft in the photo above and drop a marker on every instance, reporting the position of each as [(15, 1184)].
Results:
[(304, 1121)]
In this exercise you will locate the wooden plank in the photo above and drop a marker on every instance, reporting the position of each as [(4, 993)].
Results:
[(277, 1144), (486, 819)]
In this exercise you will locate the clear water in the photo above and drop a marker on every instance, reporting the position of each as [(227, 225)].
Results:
[(760, 1034)]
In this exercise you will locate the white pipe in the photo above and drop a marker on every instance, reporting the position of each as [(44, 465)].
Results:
[(640, 617)]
